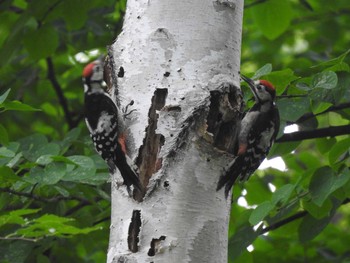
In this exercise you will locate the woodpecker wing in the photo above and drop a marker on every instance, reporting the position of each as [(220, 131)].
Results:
[(258, 137)]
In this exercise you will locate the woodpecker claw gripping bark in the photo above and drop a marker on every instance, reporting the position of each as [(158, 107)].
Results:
[(105, 123), (258, 130)]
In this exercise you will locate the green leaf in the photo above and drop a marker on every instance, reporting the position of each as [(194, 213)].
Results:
[(339, 149), (75, 13), (317, 211), (18, 106), (293, 109), (240, 241), (281, 79), (7, 176), (260, 212), (70, 137), (52, 225), (15, 217), (318, 106), (42, 42), (324, 145), (54, 172), (4, 96), (324, 80), (324, 182), (264, 70), (35, 146), (282, 194), (334, 61), (12, 41), (49, 109), (272, 17), (342, 66), (4, 138), (84, 171), (311, 227), (5, 152)]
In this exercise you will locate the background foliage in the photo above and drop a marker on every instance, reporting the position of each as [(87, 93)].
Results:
[(53, 195)]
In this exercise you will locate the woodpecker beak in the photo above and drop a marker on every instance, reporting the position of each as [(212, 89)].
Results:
[(251, 84)]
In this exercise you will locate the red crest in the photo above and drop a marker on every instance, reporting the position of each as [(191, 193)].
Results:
[(87, 72)]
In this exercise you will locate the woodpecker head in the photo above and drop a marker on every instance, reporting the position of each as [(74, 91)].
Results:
[(93, 72), (263, 90)]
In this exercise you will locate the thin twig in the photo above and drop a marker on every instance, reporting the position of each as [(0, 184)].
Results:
[(21, 238), (291, 219), (313, 134), (57, 87), (49, 10), (43, 199), (310, 115)]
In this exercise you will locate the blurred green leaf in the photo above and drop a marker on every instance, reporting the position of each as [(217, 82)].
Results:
[(281, 195), (42, 42), (240, 241), (316, 211), (311, 227), (4, 96), (4, 138), (339, 149), (264, 70), (17, 106), (293, 109), (324, 80), (273, 17), (260, 212), (52, 225), (324, 182), (75, 13), (16, 216), (281, 79), (7, 176)]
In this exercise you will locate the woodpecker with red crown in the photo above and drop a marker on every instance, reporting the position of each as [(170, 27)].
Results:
[(105, 123), (258, 130)]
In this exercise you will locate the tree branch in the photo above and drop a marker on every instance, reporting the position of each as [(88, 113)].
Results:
[(43, 199), (283, 222), (310, 115), (57, 87), (290, 219), (49, 10), (318, 133), (21, 238)]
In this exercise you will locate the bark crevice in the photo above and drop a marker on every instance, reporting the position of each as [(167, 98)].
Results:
[(223, 120), (147, 160), (155, 245), (134, 231)]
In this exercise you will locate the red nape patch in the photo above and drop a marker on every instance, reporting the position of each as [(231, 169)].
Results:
[(87, 72), (267, 84)]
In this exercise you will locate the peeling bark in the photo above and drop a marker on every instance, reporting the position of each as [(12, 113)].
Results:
[(178, 63)]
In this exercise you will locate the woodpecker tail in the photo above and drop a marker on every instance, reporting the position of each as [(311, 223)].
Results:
[(229, 177), (130, 177), (124, 165)]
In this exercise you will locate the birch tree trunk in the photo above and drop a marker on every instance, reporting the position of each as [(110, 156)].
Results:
[(178, 61)]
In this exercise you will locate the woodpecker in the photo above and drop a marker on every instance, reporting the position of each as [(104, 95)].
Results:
[(105, 123), (258, 130)]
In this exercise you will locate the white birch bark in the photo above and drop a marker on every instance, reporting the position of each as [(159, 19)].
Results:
[(175, 54)]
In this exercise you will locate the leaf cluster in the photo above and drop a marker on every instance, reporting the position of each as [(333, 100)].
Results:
[(298, 213), (53, 190)]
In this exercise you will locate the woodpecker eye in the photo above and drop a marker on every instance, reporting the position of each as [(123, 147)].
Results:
[(259, 87), (97, 68)]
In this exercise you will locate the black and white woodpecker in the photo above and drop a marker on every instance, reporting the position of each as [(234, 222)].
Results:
[(106, 125), (258, 131)]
